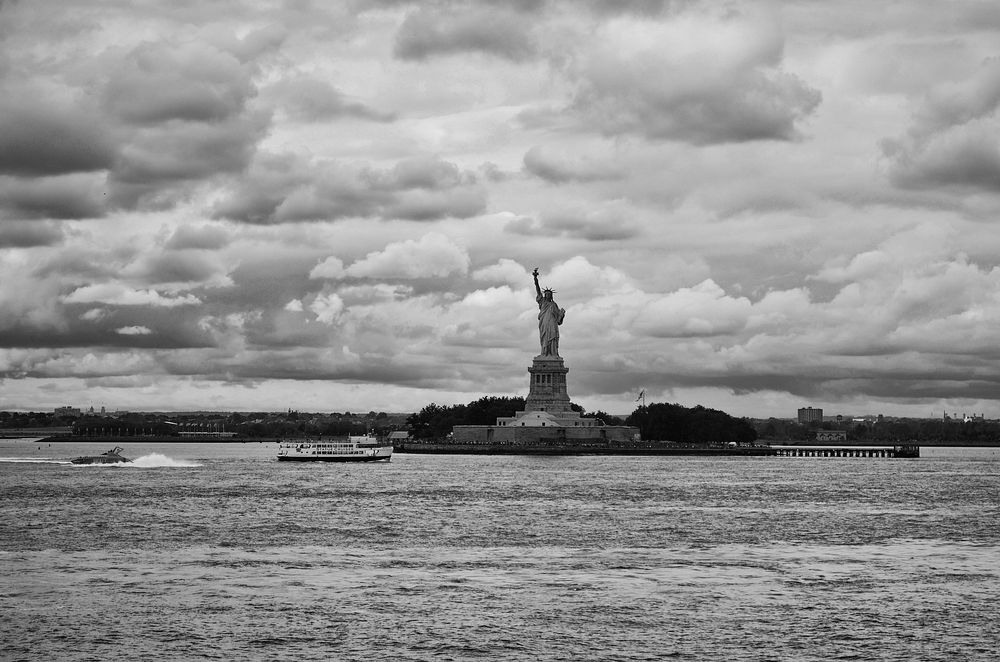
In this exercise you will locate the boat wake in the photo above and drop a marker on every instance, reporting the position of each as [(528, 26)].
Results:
[(158, 460), (32, 460), (151, 461)]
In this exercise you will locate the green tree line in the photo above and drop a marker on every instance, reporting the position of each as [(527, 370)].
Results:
[(692, 425), (891, 431), (667, 422)]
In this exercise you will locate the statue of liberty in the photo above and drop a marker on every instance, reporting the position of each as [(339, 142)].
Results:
[(550, 316)]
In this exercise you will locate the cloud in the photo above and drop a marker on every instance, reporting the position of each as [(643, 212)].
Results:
[(44, 135), (431, 256), (162, 156), (965, 156), (178, 267), (607, 224), (342, 203), (493, 31), (162, 82), (286, 189), (504, 271), (74, 196), (201, 237), (698, 78), (134, 331), (312, 100), (327, 308), (184, 107), (702, 310), (122, 295), (331, 267), (560, 168), (26, 234), (951, 143)]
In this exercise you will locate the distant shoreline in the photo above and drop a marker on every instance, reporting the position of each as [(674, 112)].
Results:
[(441, 446)]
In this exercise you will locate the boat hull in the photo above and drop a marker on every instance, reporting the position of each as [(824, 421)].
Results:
[(333, 458), (99, 459)]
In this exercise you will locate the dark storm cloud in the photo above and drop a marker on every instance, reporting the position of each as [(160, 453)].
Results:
[(26, 234), (176, 267), (60, 197), (177, 154), (184, 151), (193, 82), (266, 280), (186, 118), (169, 328), (285, 189), (429, 32), (42, 136)]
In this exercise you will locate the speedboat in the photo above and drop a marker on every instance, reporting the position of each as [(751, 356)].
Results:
[(112, 456)]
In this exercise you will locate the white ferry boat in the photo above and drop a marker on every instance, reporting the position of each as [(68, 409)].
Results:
[(356, 448)]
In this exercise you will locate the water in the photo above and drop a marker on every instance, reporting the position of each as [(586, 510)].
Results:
[(216, 551)]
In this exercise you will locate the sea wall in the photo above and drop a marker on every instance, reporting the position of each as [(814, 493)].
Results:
[(517, 435)]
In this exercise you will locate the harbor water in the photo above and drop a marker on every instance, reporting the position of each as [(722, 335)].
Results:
[(217, 551)]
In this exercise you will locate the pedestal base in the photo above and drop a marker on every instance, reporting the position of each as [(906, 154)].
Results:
[(547, 385)]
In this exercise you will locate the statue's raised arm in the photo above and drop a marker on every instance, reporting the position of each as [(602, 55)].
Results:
[(550, 316)]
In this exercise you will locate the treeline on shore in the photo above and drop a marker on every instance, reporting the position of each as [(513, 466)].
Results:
[(887, 431), (253, 425), (660, 421)]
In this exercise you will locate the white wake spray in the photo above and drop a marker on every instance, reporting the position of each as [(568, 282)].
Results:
[(157, 460)]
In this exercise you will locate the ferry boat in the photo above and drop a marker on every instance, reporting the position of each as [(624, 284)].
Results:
[(356, 448)]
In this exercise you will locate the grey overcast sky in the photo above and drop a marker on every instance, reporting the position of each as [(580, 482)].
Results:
[(336, 206)]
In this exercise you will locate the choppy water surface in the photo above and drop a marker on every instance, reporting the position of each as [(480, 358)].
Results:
[(219, 552)]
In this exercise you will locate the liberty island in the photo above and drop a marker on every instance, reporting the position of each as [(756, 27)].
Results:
[(548, 421)]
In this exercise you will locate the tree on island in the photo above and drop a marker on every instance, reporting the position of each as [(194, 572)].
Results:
[(673, 422), (436, 421)]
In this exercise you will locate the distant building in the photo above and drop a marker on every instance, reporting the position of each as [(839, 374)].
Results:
[(68, 411), (810, 414), (831, 435)]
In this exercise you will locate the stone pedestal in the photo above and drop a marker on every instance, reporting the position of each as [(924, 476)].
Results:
[(547, 386)]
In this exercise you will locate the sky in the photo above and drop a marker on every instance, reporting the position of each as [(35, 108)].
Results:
[(337, 206)]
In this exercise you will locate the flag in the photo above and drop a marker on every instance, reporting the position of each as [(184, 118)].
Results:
[(641, 394)]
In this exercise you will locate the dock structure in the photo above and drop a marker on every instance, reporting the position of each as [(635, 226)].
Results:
[(847, 451)]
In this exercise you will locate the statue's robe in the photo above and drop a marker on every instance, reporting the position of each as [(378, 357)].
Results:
[(549, 319)]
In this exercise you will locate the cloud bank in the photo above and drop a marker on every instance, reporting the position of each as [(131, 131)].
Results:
[(753, 208)]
